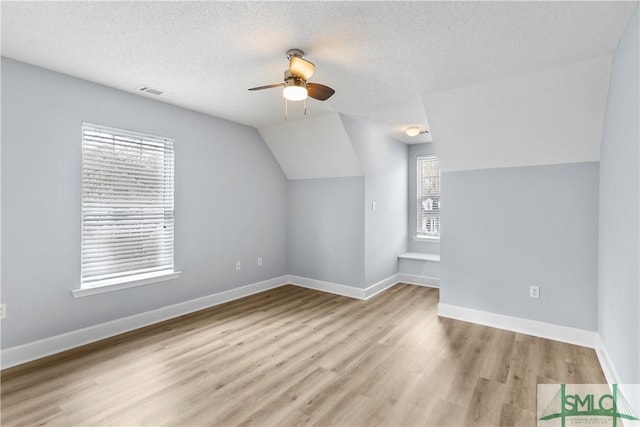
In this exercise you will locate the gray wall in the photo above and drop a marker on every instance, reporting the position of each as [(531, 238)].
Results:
[(417, 246), (618, 278), (326, 229), (230, 202), (384, 162), (334, 234), (506, 229)]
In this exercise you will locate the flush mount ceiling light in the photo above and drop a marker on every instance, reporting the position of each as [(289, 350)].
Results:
[(413, 131)]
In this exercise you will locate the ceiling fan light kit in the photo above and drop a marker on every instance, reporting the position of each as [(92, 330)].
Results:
[(295, 93), (294, 89), (298, 66), (296, 85)]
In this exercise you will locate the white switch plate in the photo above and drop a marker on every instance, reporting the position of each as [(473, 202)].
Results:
[(3, 311), (373, 206), (259, 261), (238, 265)]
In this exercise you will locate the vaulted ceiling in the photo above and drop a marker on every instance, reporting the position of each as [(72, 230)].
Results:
[(381, 57)]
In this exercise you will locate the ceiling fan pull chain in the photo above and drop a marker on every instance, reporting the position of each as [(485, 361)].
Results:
[(286, 109), (305, 106)]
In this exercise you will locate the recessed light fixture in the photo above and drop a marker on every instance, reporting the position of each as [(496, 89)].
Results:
[(413, 131)]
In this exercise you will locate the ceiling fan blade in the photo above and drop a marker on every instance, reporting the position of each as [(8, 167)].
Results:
[(267, 86), (319, 92), (300, 67)]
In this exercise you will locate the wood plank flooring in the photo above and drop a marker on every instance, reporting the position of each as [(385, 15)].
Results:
[(294, 356)]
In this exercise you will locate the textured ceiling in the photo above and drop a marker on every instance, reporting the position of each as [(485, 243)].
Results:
[(379, 56)]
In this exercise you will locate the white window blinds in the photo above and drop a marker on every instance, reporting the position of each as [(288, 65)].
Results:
[(428, 196), (127, 205)]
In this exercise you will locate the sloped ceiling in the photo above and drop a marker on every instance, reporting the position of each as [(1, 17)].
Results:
[(379, 56), (545, 117), (316, 147)]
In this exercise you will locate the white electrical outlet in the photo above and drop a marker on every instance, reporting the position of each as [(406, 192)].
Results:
[(3, 311), (238, 266), (373, 206), (534, 291), (259, 261)]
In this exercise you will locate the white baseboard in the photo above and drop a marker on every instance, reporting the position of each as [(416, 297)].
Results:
[(380, 287), (605, 362), (412, 279), (631, 392), (330, 287), (17, 355), (25, 353), (360, 293), (525, 326), (566, 334)]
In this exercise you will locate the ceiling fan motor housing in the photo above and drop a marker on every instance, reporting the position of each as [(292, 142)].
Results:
[(294, 52), (293, 80)]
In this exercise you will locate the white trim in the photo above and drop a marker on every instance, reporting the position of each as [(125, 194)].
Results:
[(128, 282), (412, 279), (419, 256), (630, 391), (606, 363), (17, 355), (426, 239), (330, 287), (380, 287), (366, 293), (525, 326), (25, 353)]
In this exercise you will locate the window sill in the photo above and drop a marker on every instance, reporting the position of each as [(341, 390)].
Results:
[(415, 256), (426, 239), (125, 283)]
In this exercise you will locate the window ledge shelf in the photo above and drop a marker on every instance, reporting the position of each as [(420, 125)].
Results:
[(415, 256), (426, 239), (110, 286)]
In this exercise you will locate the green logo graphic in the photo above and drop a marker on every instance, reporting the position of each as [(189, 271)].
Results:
[(608, 406)]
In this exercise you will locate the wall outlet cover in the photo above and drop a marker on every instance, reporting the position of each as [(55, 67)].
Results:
[(534, 291)]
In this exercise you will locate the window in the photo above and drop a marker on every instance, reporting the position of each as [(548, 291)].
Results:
[(428, 197), (127, 206)]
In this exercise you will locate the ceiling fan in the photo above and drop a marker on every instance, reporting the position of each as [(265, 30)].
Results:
[(296, 84)]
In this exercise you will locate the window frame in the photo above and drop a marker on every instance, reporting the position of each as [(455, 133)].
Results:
[(420, 236), (135, 276)]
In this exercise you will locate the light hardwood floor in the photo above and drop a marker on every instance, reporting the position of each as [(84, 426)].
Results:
[(294, 356)]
